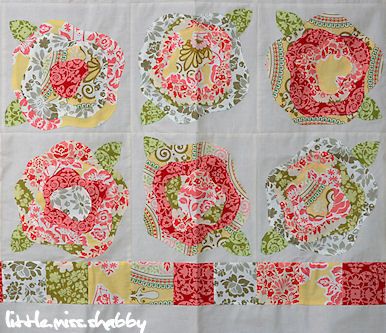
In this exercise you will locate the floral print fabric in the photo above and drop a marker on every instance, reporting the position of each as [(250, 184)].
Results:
[(71, 195), (193, 65), (63, 76), (235, 283), (24, 281), (278, 283), (364, 283), (321, 283), (72, 198), (322, 70), (195, 284), (320, 198), (194, 200), (67, 282), (108, 282)]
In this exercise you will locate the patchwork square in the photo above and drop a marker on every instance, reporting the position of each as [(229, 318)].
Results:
[(320, 283), (67, 282), (235, 283), (278, 283), (193, 284), (109, 282), (1, 283), (24, 281), (151, 282), (364, 283)]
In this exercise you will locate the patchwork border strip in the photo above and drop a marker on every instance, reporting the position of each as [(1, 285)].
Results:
[(193, 284)]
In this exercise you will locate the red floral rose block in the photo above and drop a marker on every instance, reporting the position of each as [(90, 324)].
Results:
[(322, 70), (194, 201)]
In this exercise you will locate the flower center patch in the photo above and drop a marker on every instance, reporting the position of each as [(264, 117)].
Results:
[(74, 201), (66, 77), (198, 194), (193, 65), (330, 73)]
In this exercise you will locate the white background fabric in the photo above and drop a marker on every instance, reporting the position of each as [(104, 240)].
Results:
[(257, 132)]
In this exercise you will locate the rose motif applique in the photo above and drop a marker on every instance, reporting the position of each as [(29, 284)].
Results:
[(194, 200), (319, 199), (72, 198), (193, 65), (63, 76), (322, 70)]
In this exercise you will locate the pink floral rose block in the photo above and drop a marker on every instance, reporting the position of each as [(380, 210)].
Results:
[(63, 76), (192, 65), (319, 199), (72, 198)]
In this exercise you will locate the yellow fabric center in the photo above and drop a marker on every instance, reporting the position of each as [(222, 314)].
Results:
[(328, 70), (172, 67)]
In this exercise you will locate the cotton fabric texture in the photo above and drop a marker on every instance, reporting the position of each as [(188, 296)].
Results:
[(256, 143)]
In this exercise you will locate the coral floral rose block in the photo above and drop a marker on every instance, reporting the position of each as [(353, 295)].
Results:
[(193, 65), (194, 200), (193, 284), (72, 198), (320, 198), (364, 283), (63, 76), (322, 70)]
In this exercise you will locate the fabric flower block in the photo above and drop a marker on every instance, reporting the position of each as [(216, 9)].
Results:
[(193, 284), (63, 76), (194, 200), (151, 283), (321, 283), (322, 70), (235, 283), (108, 282), (67, 282), (319, 199), (72, 198), (278, 282), (193, 65), (364, 283), (24, 281)]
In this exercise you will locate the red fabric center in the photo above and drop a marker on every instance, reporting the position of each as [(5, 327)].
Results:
[(66, 77)]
